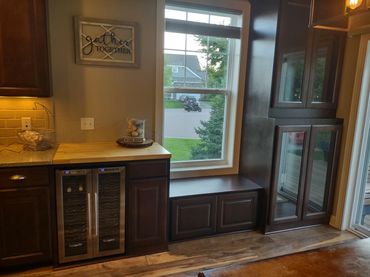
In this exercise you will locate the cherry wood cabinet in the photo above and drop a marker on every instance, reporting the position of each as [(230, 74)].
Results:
[(24, 216), (147, 211), (329, 13), (308, 61), (304, 175), (24, 69)]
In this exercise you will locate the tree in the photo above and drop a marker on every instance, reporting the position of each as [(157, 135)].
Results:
[(211, 132)]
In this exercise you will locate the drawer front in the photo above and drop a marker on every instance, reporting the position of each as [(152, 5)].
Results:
[(236, 211), (24, 177), (193, 217), (147, 169)]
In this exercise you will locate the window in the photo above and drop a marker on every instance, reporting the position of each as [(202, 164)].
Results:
[(201, 85)]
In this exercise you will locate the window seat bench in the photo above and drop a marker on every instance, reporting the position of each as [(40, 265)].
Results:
[(211, 205)]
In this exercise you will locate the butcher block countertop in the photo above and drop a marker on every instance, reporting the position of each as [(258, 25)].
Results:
[(75, 153)]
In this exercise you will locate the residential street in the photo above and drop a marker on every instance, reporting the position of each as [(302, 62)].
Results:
[(180, 123)]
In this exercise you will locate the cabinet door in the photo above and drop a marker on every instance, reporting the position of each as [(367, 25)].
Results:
[(290, 70), (236, 211), (23, 48), (326, 62), (321, 171), (74, 215), (193, 217), (109, 207), (24, 226), (289, 173), (147, 215)]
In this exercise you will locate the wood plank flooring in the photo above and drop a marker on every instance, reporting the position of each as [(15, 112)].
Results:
[(190, 257)]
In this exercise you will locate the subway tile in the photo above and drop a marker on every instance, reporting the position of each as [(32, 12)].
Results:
[(38, 123), (7, 114), (7, 132), (25, 113), (2, 123), (14, 123)]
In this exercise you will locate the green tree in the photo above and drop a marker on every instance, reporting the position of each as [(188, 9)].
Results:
[(211, 132)]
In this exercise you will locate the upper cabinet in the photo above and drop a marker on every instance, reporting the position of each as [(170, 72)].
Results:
[(24, 69), (329, 13), (308, 60)]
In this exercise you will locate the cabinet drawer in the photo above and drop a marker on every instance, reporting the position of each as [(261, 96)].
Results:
[(236, 211), (193, 217), (24, 177), (147, 169)]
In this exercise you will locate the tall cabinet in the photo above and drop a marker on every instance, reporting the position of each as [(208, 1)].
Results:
[(290, 115)]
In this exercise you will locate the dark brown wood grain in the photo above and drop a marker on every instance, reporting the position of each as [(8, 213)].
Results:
[(24, 69)]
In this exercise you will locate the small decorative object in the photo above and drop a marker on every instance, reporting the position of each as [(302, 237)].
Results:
[(135, 134), (353, 6), (34, 141), (106, 42)]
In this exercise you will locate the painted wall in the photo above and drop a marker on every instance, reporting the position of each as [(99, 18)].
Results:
[(109, 94)]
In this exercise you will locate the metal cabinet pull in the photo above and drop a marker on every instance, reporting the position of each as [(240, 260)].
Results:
[(108, 240), (17, 177), (74, 245)]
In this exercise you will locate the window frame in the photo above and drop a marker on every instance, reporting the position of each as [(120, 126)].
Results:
[(234, 93)]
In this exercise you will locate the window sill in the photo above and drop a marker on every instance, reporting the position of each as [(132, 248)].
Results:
[(178, 173)]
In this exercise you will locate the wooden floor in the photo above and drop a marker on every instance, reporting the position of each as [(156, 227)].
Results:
[(347, 259), (188, 258)]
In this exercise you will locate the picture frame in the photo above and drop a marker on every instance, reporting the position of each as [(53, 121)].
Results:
[(106, 42)]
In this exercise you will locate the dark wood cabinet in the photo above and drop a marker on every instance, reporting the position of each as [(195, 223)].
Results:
[(308, 60), (200, 215), (304, 174), (237, 211), (24, 217), (193, 217), (24, 69), (147, 215), (329, 13)]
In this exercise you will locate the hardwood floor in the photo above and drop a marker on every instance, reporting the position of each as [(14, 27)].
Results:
[(189, 257)]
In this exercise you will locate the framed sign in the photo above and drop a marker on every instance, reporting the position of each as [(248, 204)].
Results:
[(105, 42)]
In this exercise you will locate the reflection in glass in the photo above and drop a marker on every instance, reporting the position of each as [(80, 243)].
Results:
[(194, 126), (289, 174), (323, 148), (319, 76), (291, 77)]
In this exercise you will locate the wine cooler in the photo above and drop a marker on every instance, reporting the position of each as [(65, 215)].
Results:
[(90, 213)]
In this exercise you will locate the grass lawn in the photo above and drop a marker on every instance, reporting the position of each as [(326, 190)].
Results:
[(173, 104), (180, 148)]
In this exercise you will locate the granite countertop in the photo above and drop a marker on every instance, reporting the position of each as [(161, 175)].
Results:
[(74, 153), (14, 155)]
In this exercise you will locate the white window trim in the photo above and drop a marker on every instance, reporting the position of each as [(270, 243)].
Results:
[(237, 102)]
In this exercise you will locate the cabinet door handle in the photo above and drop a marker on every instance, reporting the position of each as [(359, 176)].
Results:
[(74, 245), (17, 177), (108, 240)]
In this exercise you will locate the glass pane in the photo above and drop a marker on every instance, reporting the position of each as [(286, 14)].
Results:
[(196, 43), (174, 41), (220, 20), (194, 126), (195, 70), (216, 71), (292, 49), (174, 68), (322, 154), (319, 90), (175, 14), (198, 17), (289, 174)]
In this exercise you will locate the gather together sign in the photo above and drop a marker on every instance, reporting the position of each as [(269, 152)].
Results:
[(105, 42)]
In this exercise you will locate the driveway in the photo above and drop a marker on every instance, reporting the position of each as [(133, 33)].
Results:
[(179, 123)]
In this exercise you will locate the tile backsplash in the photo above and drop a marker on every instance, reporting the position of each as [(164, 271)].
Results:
[(40, 110)]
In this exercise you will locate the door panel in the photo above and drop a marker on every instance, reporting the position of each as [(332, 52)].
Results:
[(289, 175), (320, 173)]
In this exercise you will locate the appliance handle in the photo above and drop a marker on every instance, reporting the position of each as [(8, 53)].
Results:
[(89, 211), (96, 213), (17, 177)]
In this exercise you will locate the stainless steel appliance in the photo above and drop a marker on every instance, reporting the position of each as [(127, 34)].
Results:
[(90, 213)]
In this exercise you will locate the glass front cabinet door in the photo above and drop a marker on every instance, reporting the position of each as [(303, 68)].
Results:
[(290, 165), (322, 157)]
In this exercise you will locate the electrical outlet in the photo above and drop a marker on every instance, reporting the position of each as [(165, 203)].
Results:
[(26, 123), (87, 123)]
